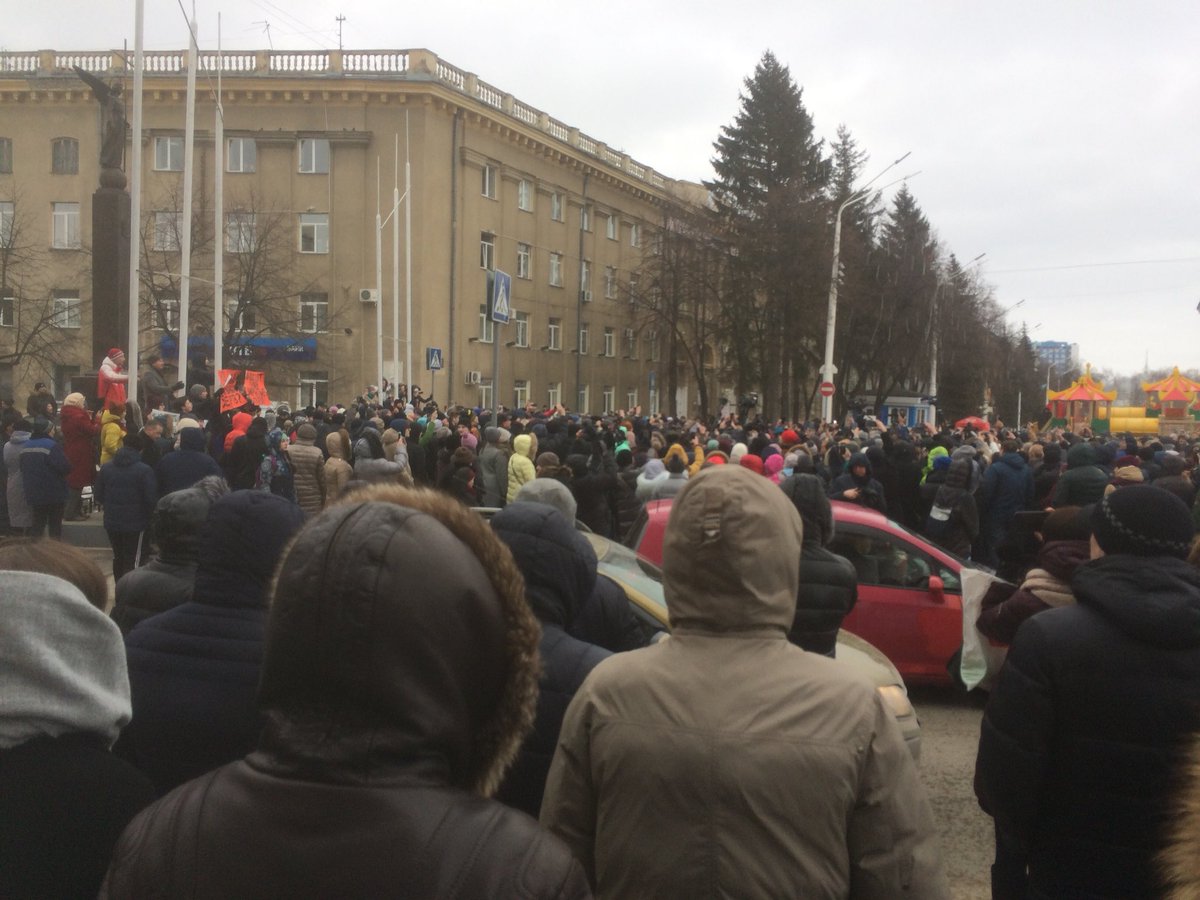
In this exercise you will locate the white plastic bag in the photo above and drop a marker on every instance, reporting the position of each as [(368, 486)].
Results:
[(981, 660)]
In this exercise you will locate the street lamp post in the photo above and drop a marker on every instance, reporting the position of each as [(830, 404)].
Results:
[(828, 369)]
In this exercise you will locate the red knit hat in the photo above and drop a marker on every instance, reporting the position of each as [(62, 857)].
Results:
[(789, 438), (752, 462)]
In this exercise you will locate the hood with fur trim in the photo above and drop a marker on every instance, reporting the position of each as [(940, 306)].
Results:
[(366, 684)]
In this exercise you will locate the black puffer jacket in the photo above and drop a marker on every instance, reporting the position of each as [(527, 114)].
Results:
[(391, 716), (559, 566), (828, 582), (870, 492), (1083, 735)]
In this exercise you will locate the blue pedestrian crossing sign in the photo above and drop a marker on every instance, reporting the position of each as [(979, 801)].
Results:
[(433, 358), (501, 292)]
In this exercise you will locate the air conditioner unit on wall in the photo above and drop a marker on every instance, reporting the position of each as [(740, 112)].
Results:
[(369, 295), (474, 377), (585, 296)]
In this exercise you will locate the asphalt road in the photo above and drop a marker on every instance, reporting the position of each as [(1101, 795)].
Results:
[(949, 738)]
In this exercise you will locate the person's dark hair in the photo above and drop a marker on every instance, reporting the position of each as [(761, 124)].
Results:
[(1011, 446), (22, 554), (132, 439), (675, 464)]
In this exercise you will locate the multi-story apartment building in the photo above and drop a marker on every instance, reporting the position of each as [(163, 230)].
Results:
[(1060, 355), (313, 142)]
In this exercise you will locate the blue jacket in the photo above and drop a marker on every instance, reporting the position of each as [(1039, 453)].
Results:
[(128, 491), (182, 468), (1007, 489), (44, 468), (194, 669)]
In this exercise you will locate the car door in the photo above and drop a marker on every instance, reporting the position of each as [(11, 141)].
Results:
[(915, 619)]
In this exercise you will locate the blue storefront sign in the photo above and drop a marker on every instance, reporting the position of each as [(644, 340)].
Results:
[(248, 349)]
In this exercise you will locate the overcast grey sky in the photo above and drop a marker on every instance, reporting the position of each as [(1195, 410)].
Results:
[(1061, 138)]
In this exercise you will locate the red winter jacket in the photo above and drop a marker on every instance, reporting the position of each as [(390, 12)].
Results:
[(79, 443)]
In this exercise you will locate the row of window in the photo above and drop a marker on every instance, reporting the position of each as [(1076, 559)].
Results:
[(241, 155), (66, 312), (487, 260), (558, 207), (554, 332), (608, 398)]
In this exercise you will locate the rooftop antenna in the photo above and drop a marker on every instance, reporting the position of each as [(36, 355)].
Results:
[(267, 29), (339, 18)]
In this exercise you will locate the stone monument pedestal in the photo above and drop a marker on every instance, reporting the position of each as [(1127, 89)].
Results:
[(110, 269)]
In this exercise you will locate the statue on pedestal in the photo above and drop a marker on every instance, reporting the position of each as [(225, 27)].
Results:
[(112, 124)]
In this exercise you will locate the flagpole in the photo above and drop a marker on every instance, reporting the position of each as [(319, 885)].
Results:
[(408, 369), (395, 270), (219, 227), (185, 248), (378, 279), (135, 194)]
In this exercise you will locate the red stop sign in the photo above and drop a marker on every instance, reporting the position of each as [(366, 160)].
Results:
[(827, 389)]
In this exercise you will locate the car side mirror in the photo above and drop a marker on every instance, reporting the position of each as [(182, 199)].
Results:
[(937, 589)]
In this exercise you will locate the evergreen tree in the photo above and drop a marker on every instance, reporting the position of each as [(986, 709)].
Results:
[(770, 195)]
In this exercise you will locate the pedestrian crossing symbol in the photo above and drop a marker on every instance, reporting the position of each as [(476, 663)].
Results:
[(433, 358), (501, 290)]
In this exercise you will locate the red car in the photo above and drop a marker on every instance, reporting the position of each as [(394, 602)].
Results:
[(909, 589)]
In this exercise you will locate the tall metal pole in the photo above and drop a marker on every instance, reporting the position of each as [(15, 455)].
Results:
[(219, 228), (189, 156), (395, 269), (408, 341), (378, 280), (135, 193)]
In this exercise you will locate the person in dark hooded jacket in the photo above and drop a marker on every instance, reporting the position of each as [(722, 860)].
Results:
[(1084, 481), (856, 485), (183, 467), (166, 581), (828, 582), (559, 566), (194, 669), (390, 719), (953, 520), (127, 490), (1007, 488), (245, 455), (1088, 725)]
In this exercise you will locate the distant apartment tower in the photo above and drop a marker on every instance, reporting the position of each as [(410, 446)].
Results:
[(1059, 354)]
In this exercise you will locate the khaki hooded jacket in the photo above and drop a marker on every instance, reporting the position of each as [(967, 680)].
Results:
[(725, 761)]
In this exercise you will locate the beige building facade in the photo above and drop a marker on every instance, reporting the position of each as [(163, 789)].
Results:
[(314, 143)]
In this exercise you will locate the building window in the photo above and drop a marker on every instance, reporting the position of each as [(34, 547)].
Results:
[(487, 186), (613, 227), (610, 398), (239, 232), (487, 250), (314, 232), (167, 313), (314, 313), (584, 401), (525, 194), (633, 288), (67, 310), (520, 393), (585, 218), (554, 334), (554, 394), (556, 269), (652, 345), (64, 154), (168, 226), (8, 213), (656, 244), (241, 155), (610, 282), (487, 328), (630, 343), (62, 378), (6, 156), (314, 156), (314, 388), (66, 226), (556, 207), (585, 280), (521, 320), (485, 395), (653, 398), (635, 235), (584, 344), (610, 342), (240, 315), (8, 310), (524, 261), (631, 399), (168, 154)]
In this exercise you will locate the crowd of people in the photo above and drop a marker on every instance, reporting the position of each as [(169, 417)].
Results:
[(316, 643)]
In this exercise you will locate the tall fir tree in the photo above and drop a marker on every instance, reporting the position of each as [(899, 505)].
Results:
[(770, 196)]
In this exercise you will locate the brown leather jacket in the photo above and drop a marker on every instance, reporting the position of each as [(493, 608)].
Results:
[(391, 717)]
